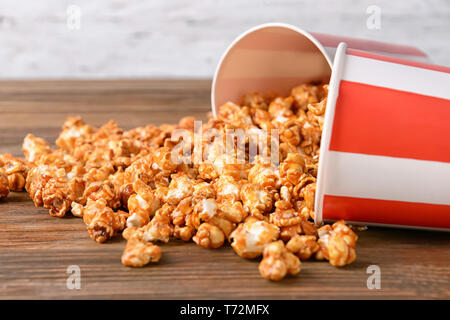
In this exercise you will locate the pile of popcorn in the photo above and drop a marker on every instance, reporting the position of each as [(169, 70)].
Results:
[(128, 182)]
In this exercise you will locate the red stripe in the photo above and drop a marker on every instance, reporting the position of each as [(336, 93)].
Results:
[(386, 212), (368, 45), (386, 122), (405, 62)]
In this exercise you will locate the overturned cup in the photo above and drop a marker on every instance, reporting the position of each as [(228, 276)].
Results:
[(385, 147)]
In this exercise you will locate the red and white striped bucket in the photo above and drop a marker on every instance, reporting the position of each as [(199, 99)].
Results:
[(275, 57), (385, 149)]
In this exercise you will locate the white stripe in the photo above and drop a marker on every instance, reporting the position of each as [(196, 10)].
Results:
[(332, 52), (333, 92), (386, 178), (397, 76)]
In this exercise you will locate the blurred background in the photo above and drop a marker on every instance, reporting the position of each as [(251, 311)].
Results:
[(85, 39)]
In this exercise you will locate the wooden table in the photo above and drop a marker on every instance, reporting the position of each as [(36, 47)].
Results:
[(36, 249)]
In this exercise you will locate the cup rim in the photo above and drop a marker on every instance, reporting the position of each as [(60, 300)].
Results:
[(333, 93)]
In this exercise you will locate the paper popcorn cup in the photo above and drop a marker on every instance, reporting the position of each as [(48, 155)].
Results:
[(385, 149), (275, 57)]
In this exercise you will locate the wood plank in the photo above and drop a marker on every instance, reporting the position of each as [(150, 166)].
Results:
[(36, 249)]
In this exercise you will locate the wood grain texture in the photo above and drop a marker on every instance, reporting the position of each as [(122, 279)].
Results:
[(36, 249)]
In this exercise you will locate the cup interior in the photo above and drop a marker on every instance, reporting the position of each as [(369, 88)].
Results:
[(269, 59)]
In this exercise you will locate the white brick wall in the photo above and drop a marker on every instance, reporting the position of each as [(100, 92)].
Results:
[(185, 38)]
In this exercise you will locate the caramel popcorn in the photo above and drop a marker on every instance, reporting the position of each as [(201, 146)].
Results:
[(303, 246), (254, 202), (249, 238), (102, 222), (233, 210), (285, 215), (209, 236), (206, 209), (227, 188), (34, 148), (278, 261), (337, 244), (16, 171), (159, 228), (264, 174), (291, 169), (4, 185), (180, 187), (140, 253), (256, 199), (55, 196), (141, 205)]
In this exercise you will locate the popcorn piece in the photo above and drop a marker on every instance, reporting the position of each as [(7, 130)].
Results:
[(159, 228), (256, 199), (280, 109), (73, 128), (223, 224), (285, 194), (184, 233), (285, 215), (182, 210), (162, 160), (227, 165), (209, 236), (291, 169), (255, 100), (249, 238), (16, 171), (304, 227), (34, 148), (102, 222), (207, 171), (227, 188), (141, 205), (306, 94), (180, 187), (278, 261), (77, 209), (203, 190), (206, 209), (36, 181), (139, 253), (337, 244), (141, 169), (103, 190), (4, 185), (290, 132), (125, 192), (308, 193), (55, 196), (235, 115), (303, 246), (233, 210), (264, 175)]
